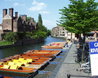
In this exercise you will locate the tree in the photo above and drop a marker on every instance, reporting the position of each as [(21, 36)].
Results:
[(40, 25), (40, 22), (28, 19), (39, 35), (80, 17)]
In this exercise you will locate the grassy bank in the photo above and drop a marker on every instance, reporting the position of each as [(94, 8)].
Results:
[(3, 43)]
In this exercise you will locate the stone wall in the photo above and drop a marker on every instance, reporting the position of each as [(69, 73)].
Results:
[(7, 24), (15, 28)]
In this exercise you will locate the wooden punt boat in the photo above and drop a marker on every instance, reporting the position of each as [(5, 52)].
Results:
[(27, 63), (45, 53), (54, 45)]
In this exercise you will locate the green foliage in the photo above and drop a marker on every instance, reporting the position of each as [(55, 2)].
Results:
[(43, 28), (28, 34), (28, 18), (48, 32), (2, 43), (20, 35), (34, 21), (80, 16), (39, 34), (10, 36), (40, 22), (13, 37)]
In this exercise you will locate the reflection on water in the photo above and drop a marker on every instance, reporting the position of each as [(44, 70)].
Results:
[(20, 49)]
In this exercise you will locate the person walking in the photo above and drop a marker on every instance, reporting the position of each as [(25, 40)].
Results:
[(68, 75), (67, 43)]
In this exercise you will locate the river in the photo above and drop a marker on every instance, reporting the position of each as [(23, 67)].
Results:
[(6, 52)]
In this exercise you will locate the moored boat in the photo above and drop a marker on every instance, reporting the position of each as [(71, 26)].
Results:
[(54, 45), (27, 63)]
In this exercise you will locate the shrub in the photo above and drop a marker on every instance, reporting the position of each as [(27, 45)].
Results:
[(10, 36), (39, 34)]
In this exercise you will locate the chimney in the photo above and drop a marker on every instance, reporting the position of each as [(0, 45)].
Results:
[(11, 12), (4, 12), (16, 14)]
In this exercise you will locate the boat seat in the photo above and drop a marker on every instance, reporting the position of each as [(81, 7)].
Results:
[(6, 66), (18, 64), (11, 63), (13, 67), (29, 60), (21, 59), (14, 60), (24, 62)]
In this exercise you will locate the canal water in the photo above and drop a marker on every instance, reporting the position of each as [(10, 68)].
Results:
[(6, 52)]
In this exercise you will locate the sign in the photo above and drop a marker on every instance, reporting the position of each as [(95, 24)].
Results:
[(94, 57)]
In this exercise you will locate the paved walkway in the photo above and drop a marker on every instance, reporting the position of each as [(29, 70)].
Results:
[(69, 66)]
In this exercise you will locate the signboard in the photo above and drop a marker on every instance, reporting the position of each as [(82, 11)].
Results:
[(94, 57)]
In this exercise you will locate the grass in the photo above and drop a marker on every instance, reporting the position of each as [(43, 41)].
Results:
[(3, 43)]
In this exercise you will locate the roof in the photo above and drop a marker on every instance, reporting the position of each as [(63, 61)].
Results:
[(7, 17), (23, 15)]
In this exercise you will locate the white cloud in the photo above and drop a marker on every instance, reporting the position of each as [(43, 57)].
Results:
[(37, 6), (44, 12)]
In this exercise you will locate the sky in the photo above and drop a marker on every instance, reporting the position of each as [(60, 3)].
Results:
[(49, 9)]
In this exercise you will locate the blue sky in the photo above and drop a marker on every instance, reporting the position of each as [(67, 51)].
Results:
[(49, 9)]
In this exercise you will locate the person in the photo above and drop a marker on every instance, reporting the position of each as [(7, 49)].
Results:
[(68, 75), (67, 43)]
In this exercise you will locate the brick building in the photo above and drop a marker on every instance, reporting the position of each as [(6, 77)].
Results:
[(60, 31), (13, 23)]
